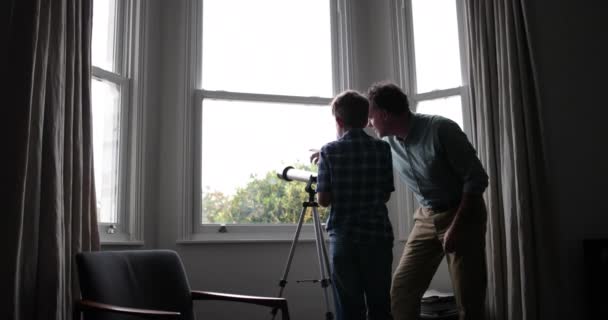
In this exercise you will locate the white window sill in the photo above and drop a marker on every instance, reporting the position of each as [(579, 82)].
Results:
[(118, 238), (251, 234), (122, 243)]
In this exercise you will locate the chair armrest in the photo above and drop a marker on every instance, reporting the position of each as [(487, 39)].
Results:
[(275, 303), (88, 305)]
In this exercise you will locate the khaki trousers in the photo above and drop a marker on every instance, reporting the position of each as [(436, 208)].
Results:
[(423, 253)]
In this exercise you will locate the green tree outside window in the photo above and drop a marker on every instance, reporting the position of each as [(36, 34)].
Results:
[(262, 200)]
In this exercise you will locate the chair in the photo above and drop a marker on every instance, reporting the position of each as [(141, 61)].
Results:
[(144, 284)]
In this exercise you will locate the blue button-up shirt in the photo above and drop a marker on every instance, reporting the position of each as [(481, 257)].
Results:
[(357, 170), (437, 162)]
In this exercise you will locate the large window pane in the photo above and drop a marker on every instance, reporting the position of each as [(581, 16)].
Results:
[(450, 108), (104, 34), (270, 46), (436, 45), (106, 134), (243, 146)]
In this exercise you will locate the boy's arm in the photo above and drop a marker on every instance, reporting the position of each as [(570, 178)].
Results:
[(323, 180), (390, 183), (324, 198), (387, 197)]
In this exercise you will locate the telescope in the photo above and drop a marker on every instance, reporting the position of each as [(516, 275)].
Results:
[(292, 174)]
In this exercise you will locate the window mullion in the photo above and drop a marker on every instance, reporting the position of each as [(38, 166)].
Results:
[(256, 97), (409, 43), (437, 94), (109, 76), (118, 65)]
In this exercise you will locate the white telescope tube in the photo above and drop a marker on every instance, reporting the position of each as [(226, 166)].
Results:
[(291, 174)]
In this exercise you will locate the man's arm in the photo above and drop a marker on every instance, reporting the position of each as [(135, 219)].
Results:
[(464, 161), (462, 157)]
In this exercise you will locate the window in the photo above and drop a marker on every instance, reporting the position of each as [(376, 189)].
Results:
[(430, 59), (266, 79), (114, 117), (108, 87)]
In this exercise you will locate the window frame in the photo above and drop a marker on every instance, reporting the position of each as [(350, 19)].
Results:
[(190, 228), (129, 49), (404, 56)]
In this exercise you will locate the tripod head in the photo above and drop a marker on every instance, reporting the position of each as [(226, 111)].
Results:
[(310, 190)]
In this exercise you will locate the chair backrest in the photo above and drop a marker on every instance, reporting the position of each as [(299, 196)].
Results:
[(147, 279)]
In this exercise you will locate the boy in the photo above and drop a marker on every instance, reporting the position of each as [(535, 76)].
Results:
[(356, 177)]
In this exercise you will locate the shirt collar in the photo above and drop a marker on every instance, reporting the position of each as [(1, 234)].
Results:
[(355, 132), (413, 121)]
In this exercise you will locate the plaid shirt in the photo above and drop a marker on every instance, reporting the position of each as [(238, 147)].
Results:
[(357, 170)]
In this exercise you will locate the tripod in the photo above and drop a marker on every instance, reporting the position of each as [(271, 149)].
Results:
[(321, 250)]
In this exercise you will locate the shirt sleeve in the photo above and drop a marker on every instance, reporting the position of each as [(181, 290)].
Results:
[(323, 174), (462, 157)]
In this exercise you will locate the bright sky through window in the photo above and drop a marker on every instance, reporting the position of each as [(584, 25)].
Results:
[(243, 138), (263, 47), (106, 107), (270, 46), (436, 45), (104, 35), (450, 108)]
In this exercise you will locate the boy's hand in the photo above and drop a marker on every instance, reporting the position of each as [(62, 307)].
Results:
[(314, 158)]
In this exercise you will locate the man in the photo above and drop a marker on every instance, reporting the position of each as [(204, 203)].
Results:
[(440, 166)]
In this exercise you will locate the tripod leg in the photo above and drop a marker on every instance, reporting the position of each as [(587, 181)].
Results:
[(292, 251), (323, 247), (323, 261)]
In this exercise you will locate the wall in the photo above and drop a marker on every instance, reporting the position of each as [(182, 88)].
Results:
[(569, 43)]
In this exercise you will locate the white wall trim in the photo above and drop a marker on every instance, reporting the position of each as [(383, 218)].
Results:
[(464, 69), (186, 121), (342, 37), (139, 47), (404, 55)]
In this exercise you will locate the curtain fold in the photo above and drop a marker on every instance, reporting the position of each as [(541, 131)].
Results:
[(49, 186), (507, 131)]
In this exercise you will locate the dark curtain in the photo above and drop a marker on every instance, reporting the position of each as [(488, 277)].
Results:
[(48, 188), (507, 132)]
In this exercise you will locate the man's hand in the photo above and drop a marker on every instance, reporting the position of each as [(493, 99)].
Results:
[(314, 158), (450, 239), (469, 204)]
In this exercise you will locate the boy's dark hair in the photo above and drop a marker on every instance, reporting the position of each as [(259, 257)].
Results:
[(352, 107), (389, 97)]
